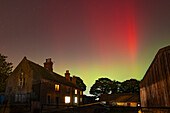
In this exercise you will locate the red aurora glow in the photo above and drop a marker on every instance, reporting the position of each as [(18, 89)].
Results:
[(113, 29)]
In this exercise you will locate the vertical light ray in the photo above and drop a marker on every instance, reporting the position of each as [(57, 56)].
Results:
[(132, 38), (132, 41)]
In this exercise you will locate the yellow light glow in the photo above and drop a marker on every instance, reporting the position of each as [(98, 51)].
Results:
[(75, 91), (57, 87), (81, 93), (81, 99), (67, 99)]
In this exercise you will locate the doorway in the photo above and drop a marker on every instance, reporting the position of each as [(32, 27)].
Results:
[(57, 101)]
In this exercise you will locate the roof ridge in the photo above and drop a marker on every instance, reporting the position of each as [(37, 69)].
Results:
[(159, 52), (51, 75)]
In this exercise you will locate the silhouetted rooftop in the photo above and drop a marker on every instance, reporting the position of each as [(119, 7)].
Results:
[(120, 97), (40, 72)]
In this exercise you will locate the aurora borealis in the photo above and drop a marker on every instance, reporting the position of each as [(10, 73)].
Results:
[(117, 39)]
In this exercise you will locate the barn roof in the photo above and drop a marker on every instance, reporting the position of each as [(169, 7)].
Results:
[(40, 72), (120, 97), (149, 77)]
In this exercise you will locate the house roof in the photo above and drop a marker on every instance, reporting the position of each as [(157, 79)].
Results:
[(40, 72), (150, 76), (120, 97)]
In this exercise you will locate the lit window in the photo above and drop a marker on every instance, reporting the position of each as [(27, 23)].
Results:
[(75, 91), (57, 87), (75, 100), (21, 80), (81, 99), (67, 99), (81, 93)]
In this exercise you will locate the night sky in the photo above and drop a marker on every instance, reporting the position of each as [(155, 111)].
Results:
[(117, 39)]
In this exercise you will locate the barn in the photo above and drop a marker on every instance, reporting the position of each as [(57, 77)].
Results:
[(155, 86)]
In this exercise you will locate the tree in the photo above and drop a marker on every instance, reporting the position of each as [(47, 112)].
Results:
[(130, 86), (5, 71), (107, 86), (103, 86), (116, 88), (80, 83)]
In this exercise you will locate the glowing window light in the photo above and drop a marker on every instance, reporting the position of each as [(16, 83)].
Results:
[(81, 99), (57, 87), (75, 91), (81, 92), (67, 99), (75, 100)]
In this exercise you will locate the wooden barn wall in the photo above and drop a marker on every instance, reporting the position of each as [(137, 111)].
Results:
[(155, 88)]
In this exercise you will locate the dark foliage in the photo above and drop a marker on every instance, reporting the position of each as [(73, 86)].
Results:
[(104, 86), (107, 86), (80, 83), (5, 71), (130, 86)]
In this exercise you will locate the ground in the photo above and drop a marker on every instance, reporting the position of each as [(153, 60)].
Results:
[(97, 108)]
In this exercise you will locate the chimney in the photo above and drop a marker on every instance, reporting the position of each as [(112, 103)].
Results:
[(67, 75), (74, 79), (49, 64)]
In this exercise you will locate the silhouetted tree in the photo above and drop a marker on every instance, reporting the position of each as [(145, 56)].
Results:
[(116, 86), (80, 83), (107, 86), (103, 86), (130, 86), (5, 71)]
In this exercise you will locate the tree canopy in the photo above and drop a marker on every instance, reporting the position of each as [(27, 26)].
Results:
[(130, 86), (104, 86), (80, 83), (107, 86), (5, 71)]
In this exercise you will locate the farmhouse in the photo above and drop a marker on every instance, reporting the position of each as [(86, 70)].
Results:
[(32, 82), (155, 86)]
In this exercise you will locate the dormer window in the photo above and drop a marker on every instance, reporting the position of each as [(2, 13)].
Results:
[(57, 87)]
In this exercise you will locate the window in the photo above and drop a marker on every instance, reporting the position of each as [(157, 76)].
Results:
[(68, 90), (75, 100), (75, 91), (57, 87), (16, 97), (21, 80), (20, 97), (67, 99), (81, 93), (81, 99)]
